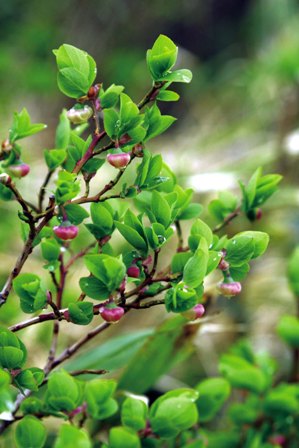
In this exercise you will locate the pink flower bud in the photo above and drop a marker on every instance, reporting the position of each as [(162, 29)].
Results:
[(5, 179), (133, 271), (119, 160), (66, 232), (258, 214), (278, 439), (79, 116), (195, 313), (223, 265), (229, 289), (19, 170), (112, 314)]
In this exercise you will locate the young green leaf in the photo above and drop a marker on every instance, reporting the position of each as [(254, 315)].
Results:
[(76, 70)]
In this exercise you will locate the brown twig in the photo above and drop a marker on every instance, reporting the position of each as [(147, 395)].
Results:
[(227, 220)]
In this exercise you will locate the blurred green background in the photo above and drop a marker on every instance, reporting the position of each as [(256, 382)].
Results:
[(240, 111)]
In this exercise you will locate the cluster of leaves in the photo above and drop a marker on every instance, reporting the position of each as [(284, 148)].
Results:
[(144, 212)]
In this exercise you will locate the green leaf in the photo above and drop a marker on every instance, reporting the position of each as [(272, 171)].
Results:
[(63, 131), (94, 288), (134, 413), (190, 212), (260, 241), (109, 97), (283, 399), (98, 395), (199, 227), (120, 437), (179, 261), (54, 157), (30, 378), (132, 236), (30, 432), (174, 412), (180, 298), (63, 392), (81, 313), (111, 123), (75, 213), (182, 75), (27, 287), (167, 95), (288, 330), (293, 272), (213, 392), (22, 126), (4, 379), (67, 187), (76, 70), (162, 57), (155, 123), (70, 436), (109, 270), (241, 374), (161, 209), (13, 352), (196, 267), (113, 354), (50, 250), (160, 351)]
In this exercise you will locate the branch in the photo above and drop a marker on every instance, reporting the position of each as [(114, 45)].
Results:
[(227, 220), (42, 190), (28, 247), (69, 351)]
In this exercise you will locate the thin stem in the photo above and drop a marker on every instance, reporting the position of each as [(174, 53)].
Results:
[(89, 152), (180, 236), (227, 220), (53, 348), (95, 117), (69, 351), (28, 247), (79, 255), (42, 190)]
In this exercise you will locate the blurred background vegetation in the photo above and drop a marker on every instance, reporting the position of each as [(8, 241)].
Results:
[(240, 111)]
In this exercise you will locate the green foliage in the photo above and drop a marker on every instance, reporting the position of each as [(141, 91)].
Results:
[(293, 272), (13, 352), (100, 403), (76, 70), (70, 436), (143, 207), (107, 275), (30, 432), (63, 392), (28, 288), (22, 126), (288, 330), (174, 412), (134, 413), (81, 313), (213, 393)]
